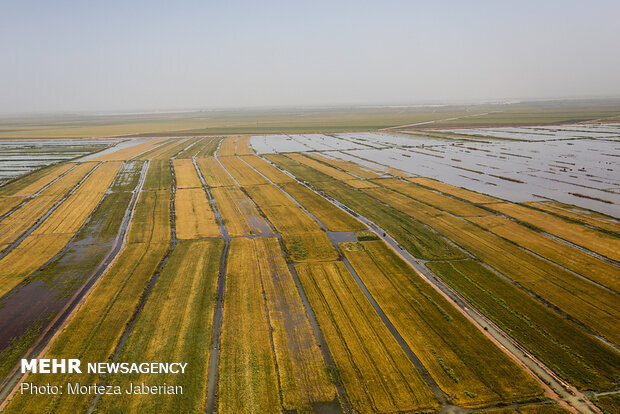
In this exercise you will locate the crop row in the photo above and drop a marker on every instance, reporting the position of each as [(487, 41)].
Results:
[(14, 225), (468, 367), (415, 237), (29, 184), (243, 173), (93, 333), (238, 213), (184, 298), (374, 370), (590, 218), (569, 351), (594, 306), (595, 240), (213, 173), (348, 166), (185, 174), (227, 147), (130, 152), (579, 262), (194, 217)]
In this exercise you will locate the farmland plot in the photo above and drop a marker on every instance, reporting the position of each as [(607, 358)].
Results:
[(374, 370), (465, 364), (243, 173), (186, 175), (28, 185), (238, 213), (213, 173), (195, 218)]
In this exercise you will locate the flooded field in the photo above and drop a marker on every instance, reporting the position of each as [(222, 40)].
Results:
[(575, 164), (20, 157)]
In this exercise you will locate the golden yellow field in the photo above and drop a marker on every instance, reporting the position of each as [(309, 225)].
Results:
[(70, 215), (14, 225), (243, 146), (8, 203), (332, 217), (48, 175), (165, 151), (582, 263), (227, 147), (238, 213), (185, 174), (588, 217), (27, 257), (440, 201), (303, 373), (247, 375), (267, 169), (325, 169), (374, 370), (594, 240), (243, 173), (130, 152), (213, 173), (348, 166), (458, 192), (466, 365), (194, 217), (594, 306)]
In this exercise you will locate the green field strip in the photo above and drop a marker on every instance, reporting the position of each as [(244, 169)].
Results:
[(568, 350), (184, 298), (247, 374), (468, 367), (158, 176)]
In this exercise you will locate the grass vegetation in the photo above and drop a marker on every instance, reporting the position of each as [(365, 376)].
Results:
[(238, 213), (609, 404), (151, 218), (309, 246), (209, 147), (213, 173), (184, 297), (374, 370), (194, 217), (304, 376), (568, 350), (468, 367), (247, 375), (597, 241), (579, 262)]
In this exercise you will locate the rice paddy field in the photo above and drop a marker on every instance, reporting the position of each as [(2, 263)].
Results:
[(450, 268)]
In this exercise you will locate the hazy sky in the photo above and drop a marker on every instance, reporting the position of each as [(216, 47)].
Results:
[(85, 55)]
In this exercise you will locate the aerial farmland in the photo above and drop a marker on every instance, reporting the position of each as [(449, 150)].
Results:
[(425, 270)]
